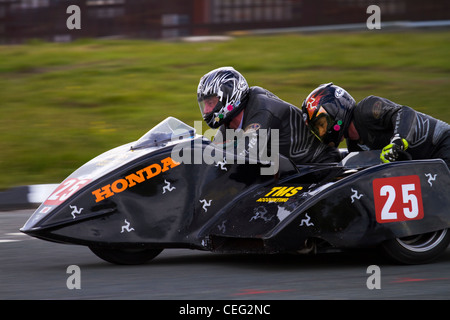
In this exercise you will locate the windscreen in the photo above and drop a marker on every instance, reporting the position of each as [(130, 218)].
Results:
[(171, 129)]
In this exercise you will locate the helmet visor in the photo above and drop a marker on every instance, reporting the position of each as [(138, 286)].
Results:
[(208, 104), (211, 108), (321, 126)]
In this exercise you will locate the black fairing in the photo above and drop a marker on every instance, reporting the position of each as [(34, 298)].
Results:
[(143, 197)]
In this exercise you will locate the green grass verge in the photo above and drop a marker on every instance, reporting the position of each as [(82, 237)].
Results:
[(62, 104)]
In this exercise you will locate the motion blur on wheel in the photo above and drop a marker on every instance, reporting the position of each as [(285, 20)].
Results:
[(138, 199)]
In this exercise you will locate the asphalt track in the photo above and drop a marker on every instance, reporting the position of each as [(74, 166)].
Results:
[(36, 269)]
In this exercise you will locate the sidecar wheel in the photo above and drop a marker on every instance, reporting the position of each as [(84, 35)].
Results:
[(417, 249), (125, 256)]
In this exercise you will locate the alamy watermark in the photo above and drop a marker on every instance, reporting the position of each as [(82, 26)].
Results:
[(74, 20), (74, 280), (374, 280), (236, 146), (374, 20)]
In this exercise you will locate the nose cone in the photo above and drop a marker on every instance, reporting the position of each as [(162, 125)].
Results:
[(34, 222)]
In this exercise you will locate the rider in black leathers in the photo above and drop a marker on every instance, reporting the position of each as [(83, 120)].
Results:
[(375, 123), (233, 105)]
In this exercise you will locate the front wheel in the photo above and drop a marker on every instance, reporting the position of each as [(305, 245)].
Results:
[(125, 256), (417, 249)]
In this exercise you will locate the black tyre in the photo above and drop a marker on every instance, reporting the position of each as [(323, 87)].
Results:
[(125, 256), (417, 249)]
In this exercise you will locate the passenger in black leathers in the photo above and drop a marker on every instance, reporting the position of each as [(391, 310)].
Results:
[(227, 102), (375, 123)]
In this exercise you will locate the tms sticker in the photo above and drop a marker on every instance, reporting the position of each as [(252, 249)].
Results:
[(280, 194), (398, 199)]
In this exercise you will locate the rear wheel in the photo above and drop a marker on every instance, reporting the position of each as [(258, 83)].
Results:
[(417, 249), (125, 256)]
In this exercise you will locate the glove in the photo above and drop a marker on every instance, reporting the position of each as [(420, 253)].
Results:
[(390, 152)]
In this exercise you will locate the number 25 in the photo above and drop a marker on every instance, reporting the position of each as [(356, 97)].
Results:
[(407, 197)]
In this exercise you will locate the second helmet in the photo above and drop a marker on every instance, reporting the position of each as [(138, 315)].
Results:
[(335, 105)]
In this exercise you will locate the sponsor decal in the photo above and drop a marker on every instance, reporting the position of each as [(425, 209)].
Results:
[(339, 92), (133, 179), (252, 127), (280, 194), (398, 199), (377, 108)]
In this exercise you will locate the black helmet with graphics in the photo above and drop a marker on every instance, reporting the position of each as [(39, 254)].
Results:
[(328, 112), (221, 95)]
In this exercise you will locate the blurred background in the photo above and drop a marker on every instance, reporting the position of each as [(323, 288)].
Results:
[(155, 19), (68, 95)]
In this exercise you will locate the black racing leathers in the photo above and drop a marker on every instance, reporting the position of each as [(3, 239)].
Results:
[(264, 112), (378, 120)]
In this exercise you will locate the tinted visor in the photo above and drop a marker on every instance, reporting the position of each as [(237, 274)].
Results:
[(321, 126)]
